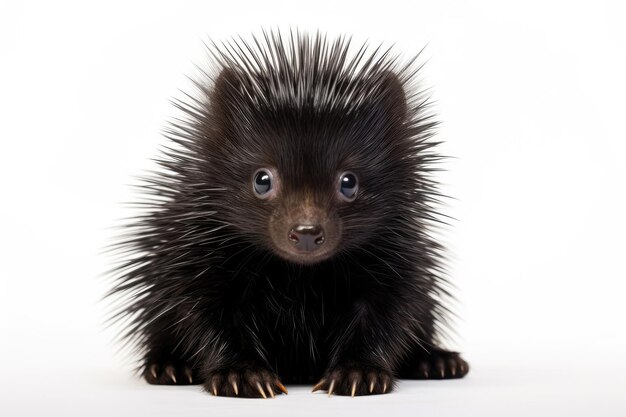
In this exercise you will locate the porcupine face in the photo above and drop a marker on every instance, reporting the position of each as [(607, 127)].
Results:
[(308, 177)]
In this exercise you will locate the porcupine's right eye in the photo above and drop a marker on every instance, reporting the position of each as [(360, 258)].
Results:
[(262, 183), (348, 186)]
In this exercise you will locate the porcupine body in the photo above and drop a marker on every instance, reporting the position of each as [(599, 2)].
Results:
[(286, 238)]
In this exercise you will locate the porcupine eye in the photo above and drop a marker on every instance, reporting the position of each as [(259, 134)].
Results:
[(348, 186), (262, 183)]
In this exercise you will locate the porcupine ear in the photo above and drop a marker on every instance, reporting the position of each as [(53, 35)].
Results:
[(227, 96), (390, 101)]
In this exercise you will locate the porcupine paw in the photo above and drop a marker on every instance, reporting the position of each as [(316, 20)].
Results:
[(355, 379), (437, 365), (169, 373), (244, 381)]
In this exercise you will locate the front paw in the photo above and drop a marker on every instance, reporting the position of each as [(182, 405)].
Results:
[(355, 379), (436, 364), (244, 381), (169, 372)]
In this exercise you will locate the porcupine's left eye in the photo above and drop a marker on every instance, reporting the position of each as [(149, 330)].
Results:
[(348, 186), (262, 183)]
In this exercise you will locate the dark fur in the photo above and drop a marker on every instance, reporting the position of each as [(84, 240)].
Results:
[(208, 296)]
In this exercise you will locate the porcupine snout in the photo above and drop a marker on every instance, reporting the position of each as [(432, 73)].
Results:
[(307, 237)]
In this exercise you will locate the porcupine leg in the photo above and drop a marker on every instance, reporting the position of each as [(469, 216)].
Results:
[(223, 370), (232, 370), (366, 350), (433, 364), (233, 367)]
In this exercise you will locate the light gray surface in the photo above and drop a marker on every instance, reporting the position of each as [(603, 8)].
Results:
[(533, 386)]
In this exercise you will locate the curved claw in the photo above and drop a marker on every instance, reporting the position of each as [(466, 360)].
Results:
[(331, 388), (319, 385), (439, 365), (189, 375), (282, 387), (260, 389), (452, 367), (353, 389), (170, 372), (153, 370)]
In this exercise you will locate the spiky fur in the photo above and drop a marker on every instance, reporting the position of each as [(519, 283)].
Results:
[(202, 284)]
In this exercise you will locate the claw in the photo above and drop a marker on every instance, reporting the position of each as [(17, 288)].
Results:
[(153, 370), (371, 386), (453, 370), (319, 385), (440, 368), (214, 388), (188, 373), (353, 389), (260, 389), (331, 388), (170, 372), (269, 389), (282, 387), (384, 387), (235, 387)]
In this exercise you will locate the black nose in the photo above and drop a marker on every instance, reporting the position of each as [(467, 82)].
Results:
[(307, 237)]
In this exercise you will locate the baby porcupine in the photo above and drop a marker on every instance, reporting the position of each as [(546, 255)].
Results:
[(286, 237)]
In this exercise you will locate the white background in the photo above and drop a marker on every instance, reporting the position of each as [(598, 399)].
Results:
[(532, 100)]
